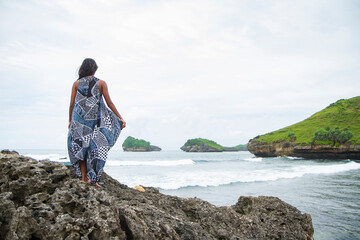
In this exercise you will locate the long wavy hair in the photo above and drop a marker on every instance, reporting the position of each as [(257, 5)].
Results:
[(87, 68)]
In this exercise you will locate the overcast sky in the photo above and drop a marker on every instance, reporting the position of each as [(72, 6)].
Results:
[(223, 70)]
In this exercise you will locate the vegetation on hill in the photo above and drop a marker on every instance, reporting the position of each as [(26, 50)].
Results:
[(212, 144), (131, 142), (338, 123), (332, 136), (199, 141), (241, 147)]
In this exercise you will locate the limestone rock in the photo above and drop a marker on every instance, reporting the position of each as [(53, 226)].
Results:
[(155, 148), (152, 148), (200, 148), (132, 144), (315, 151), (44, 200), (270, 218)]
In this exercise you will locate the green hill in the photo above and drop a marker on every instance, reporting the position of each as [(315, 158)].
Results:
[(131, 142), (206, 145), (200, 141), (337, 123), (241, 147)]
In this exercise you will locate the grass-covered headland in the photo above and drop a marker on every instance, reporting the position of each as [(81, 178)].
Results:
[(131, 142), (200, 141), (206, 145), (138, 145), (336, 124)]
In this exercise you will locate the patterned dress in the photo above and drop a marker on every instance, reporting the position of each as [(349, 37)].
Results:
[(94, 129)]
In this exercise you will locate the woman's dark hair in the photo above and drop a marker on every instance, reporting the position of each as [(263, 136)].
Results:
[(87, 68)]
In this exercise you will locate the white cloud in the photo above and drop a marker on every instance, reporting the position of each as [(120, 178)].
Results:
[(175, 70)]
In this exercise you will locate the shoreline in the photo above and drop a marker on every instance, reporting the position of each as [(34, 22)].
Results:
[(226, 195), (53, 193)]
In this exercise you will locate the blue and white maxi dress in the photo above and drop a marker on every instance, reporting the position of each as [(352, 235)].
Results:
[(94, 129)]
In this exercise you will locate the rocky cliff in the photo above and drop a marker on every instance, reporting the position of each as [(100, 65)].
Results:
[(206, 148), (314, 151), (132, 144), (206, 145), (235, 149), (152, 148), (200, 148), (332, 133), (43, 200)]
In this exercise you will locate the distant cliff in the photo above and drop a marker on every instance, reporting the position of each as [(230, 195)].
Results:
[(44, 200), (288, 148), (241, 147), (206, 145), (132, 144), (201, 145), (332, 133)]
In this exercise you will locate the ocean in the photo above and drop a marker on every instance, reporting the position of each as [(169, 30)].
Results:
[(329, 190)]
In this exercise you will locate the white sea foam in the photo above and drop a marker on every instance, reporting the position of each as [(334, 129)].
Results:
[(202, 178), (294, 158), (328, 169), (254, 159), (51, 157), (151, 163)]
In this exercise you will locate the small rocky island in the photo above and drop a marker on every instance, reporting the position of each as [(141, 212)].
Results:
[(44, 200), (332, 133), (132, 144), (206, 145)]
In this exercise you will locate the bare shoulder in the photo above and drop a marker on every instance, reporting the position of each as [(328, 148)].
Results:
[(102, 82), (76, 84), (102, 85)]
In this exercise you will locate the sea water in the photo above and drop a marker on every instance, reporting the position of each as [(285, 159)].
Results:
[(329, 190)]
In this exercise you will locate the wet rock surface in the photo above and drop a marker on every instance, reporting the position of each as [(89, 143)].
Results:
[(44, 200)]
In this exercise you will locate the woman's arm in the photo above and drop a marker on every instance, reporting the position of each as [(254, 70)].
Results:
[(72, 100), (104, 90)]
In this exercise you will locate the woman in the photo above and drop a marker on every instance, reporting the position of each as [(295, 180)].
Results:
[(93, 128)]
